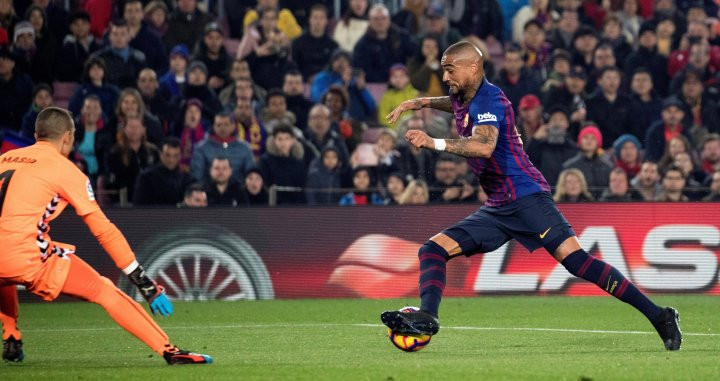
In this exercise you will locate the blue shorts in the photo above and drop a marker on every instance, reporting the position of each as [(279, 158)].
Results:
[(533, 220)]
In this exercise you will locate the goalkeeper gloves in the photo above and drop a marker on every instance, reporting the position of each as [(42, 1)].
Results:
[(152, 292)]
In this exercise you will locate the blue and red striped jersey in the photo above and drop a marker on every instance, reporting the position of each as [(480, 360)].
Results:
[(508, 174)]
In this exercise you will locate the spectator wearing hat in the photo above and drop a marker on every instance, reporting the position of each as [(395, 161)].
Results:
[(142, 38), (250, 128), (647, 181), (662, 131), (382, 46), (339, 71), (123, 62), (196, 87), (551, 146), (610, 109), (437, 24), (26, 54), (42, 99), (701, 112), (425, 70), (619, 189), (584, 43), (95, 82), (222, 141), (514, 78), (572, 95), (646, 101), (211, 51), (156, 17), (627, 154), (646, 56), (530, 117), (222, 189), (185, 24), (76, 48), (156, 103), (165, 182), (562, 36), (325, 177), (15, 91), (399, 90), (286, 21), (590, 160), (352, 25), (191, 129), (176, 76), (311, 51)]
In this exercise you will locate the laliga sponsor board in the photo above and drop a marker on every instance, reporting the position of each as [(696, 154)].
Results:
[(371, 252)]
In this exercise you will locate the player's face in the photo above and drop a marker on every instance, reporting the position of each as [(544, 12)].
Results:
[(455, 75), (220, 171), (618, 183), (361, 180), (170, 157), (629, 152)]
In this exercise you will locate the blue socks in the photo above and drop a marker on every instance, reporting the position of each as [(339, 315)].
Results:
[(607, 277), (432, 276)]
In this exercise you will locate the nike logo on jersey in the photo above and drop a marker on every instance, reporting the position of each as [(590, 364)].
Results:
[(486, 117), (543, 234)]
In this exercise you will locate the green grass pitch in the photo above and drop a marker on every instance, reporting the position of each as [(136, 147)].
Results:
[(482, 338)]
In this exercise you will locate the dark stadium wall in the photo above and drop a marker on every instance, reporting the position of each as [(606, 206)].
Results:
[(370, 252)]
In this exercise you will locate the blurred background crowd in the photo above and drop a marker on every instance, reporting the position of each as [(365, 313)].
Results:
[(271, 102)]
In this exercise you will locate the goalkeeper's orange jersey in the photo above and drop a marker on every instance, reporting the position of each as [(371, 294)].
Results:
[(36, 184)]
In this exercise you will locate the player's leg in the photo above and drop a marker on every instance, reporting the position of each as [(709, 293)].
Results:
[(583, 265), (85, 283), (12, 339)]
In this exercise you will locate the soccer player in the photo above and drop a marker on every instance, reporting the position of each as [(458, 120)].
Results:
[(519, 205), (36, 184)]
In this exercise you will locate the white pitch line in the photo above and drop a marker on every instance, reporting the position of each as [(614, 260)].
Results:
[(321, 325)]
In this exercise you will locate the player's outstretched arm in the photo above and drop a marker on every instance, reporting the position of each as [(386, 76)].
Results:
[(480, 144), (438, 103), (115, 244)]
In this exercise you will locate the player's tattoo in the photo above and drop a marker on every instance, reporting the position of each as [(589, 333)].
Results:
[(480, 144), (438, 103)]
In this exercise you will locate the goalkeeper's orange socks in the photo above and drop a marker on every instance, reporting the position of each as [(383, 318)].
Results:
[(85, 283), (583, 265), (9, 312), (433, 259)]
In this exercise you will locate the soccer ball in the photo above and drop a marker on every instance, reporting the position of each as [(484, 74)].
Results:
[(408, 343)]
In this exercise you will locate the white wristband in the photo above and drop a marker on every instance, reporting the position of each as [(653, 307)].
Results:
[(130, 268), (439, 144)]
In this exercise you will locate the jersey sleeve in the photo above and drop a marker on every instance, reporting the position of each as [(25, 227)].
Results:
[(489, 112), (76, 189)]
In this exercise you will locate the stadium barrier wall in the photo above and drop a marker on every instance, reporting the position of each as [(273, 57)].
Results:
[(371, 252)]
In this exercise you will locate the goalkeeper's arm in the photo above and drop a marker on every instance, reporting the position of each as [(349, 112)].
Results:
[(115, 244)]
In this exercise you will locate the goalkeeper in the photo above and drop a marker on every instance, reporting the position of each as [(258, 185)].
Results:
[(36, 184)]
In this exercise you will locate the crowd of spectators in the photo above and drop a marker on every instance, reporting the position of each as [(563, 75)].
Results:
[(257, 102)]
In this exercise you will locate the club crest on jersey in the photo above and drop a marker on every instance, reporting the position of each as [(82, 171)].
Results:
[(486, 117)]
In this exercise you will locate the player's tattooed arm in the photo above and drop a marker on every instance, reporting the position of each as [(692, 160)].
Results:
[(438, 103), (480, 144)]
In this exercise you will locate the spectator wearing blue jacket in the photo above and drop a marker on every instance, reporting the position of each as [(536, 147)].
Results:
[(223, 142)]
